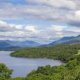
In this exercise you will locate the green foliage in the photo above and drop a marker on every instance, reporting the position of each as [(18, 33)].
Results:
[(64, 52), (5, 73), (18, 78), (70, 71)]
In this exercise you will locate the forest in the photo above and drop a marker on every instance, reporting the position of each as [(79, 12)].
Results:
[(70, 54), (63, 52)]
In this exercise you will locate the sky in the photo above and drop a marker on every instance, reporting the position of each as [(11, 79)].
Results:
[(39, 20)]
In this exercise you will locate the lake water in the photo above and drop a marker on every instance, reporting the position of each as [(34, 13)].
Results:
[(23, 66)]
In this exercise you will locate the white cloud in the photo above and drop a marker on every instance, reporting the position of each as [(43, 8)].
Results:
[(19, 27), (3, 24), (74, 29), (58, 27), (77, 15), (56, 3), (25, 32), (31, 28), (64, 11)]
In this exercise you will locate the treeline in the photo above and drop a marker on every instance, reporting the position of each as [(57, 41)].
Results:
[(62, 52)]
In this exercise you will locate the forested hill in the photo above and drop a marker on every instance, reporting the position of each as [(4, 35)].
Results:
[(62, 52)]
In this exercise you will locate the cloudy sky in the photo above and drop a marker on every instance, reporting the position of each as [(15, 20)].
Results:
[(39, 20)]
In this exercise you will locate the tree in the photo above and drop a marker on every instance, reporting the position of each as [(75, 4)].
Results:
[(5, 73)]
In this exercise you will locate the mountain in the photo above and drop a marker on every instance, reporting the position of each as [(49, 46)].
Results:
[(75, 40), (24, 43), (67, 40), (7, 44), (4, 44)]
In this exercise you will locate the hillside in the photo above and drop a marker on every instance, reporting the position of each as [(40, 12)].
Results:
[(62, 52)]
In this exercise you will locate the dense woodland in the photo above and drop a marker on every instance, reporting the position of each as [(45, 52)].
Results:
[(62, 52), (65, 52)]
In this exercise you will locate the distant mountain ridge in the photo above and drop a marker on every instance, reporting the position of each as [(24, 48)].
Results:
[(67, 40), (6, 44)]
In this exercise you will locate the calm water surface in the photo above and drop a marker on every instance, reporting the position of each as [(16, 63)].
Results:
[(23, 66)]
